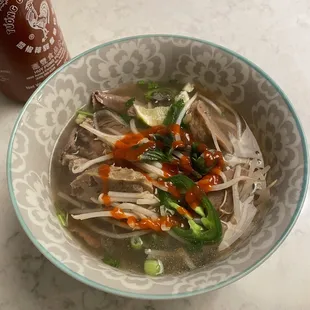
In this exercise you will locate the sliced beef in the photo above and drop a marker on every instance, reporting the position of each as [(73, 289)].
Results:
[(84, 144), (198, 127), (202, 124), (128, 180), (89, 184), (72, 160), (111, 101), (109, 122)]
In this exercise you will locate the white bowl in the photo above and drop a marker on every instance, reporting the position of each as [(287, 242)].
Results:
[(156, 57)]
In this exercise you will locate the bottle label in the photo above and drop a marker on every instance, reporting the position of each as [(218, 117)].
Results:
[(31, 38)]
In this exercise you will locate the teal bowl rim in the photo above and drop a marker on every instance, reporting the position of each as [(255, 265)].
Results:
[(101, 287)]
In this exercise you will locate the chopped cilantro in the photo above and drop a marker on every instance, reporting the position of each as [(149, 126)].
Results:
[(111, 261), (130, 102), (126, 117), (152, 85)]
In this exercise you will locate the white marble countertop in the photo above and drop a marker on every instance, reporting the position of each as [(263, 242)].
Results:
[(276, 36)]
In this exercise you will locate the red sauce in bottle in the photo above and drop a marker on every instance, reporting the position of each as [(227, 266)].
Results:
[(31, 46)]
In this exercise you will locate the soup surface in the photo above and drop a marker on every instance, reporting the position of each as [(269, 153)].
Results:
[(158, 178)]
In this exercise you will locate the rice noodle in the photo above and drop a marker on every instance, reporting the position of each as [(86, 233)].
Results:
[(91, 215), (185, 109), (81, 168), (211, 103), (71, 200), (133, 126), (116, 236), (111, 140), (149, 105)]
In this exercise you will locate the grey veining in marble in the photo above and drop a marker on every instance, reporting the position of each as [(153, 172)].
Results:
[(276, 36)]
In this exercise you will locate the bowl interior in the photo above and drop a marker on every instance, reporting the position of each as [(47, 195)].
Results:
[(253, 94)]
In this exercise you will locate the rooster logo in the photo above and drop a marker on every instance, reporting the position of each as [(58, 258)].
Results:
[(37, 21)]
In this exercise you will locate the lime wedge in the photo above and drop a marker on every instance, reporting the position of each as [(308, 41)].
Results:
[(152, 117)]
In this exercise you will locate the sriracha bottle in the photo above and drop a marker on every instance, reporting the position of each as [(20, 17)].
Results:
[(31, 46)]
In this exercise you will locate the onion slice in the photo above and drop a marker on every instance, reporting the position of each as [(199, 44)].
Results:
[(211, 103), (234, 232), (235, 193)]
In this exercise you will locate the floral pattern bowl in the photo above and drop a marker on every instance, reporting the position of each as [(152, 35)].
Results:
[(155, 57)]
